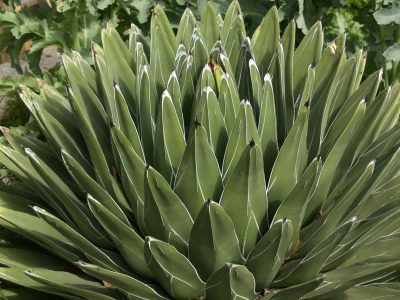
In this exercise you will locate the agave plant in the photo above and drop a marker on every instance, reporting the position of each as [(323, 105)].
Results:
[(207, 164)]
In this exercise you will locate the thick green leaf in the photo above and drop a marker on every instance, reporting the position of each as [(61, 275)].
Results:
[(266, 40), (233, 32), (343, 199), (123, 120), (229, 101), (213, 240), (331, 161), (288, 45), (245, 199), (209, 26), (147, 95), (88, 106), (128, 242), (198, 178), (295, 292), (267, 257), (99, 155), (244, 130), (307, 53), (70, 283), (130, 285), (293, 207), (133, 169), (170, 139), (92, 252), (165, 216), (210, 116), (90, 186), (341, 279), (257, 89), (242, 73), (332, 58), (186, 26), (174, 271), (82, 218), (17, 215), (163, 47), (231, 282), (17, 276), (119, 62), (305, 269), (267, 126), (174, 89), (290, 162)]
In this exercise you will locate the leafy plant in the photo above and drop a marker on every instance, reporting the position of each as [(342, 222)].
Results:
[(158, 182)]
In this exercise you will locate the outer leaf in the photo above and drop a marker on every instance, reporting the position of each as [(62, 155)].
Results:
[(128, 284), (78, 212), (92, 187), (72, 284), (213, 240), (125, 238), (16, 215), (133, 169), (341, 279), (331, 163), (303, 270), (174, 271), (245, 200), (231, 282), (91, 251), (297, 291)]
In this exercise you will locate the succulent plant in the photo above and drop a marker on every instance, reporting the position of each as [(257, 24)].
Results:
[(207, 164)]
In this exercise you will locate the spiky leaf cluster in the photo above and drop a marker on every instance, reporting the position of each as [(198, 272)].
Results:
[(208, 164)]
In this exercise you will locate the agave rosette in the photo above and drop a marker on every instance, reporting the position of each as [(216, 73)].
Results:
[(207, 164)]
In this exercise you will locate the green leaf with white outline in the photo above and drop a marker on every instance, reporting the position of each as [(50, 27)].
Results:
[(169, 138), (130, 285), (198, 178), (267, 257), (174, 271), (245, 199), (165, 216), (213, 240), (231, 282)]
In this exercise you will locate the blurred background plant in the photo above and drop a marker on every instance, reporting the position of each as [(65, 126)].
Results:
[(33, 32)]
